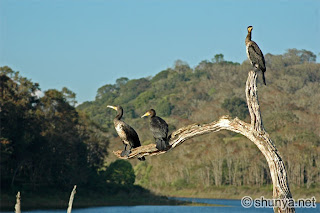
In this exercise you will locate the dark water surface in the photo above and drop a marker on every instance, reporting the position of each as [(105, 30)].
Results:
[(230, 206)]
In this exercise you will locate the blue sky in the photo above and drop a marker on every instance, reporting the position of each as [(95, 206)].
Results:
[(85, 44)]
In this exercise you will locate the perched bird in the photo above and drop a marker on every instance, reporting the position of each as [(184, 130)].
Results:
[(255, 55), (126, 133), (159, 129)]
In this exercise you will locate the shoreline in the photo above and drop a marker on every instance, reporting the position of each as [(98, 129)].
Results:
[(86, 199), (236, 193), (59, 201)]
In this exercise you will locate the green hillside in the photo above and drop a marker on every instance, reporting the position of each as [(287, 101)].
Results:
[(222, 164), (48, 144)]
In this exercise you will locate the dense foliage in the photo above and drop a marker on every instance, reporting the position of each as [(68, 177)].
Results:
[(44, 140), (183, 95), (120, 172)]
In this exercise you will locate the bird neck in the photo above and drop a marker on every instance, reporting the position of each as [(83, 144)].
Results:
[(119, 115), (248, 38)]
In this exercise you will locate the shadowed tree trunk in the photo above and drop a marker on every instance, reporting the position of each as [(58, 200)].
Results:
[(254, 132)]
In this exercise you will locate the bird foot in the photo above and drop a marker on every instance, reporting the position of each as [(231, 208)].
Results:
[(125, 153), (142, 158), (161, 147)]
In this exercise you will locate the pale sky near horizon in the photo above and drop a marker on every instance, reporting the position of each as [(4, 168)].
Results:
[(85, 44)]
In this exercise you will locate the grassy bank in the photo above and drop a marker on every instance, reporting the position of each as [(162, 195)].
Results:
[(232, 192)]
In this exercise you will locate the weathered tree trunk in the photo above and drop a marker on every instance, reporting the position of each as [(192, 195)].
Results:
[(254, 132), (71, 199), (261, 138), (17, 207)]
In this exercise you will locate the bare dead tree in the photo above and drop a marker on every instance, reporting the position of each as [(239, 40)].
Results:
[(71, 199), (254, 132), (17, 207)]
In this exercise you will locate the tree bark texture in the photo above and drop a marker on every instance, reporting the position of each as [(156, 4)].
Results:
[(254, 132)]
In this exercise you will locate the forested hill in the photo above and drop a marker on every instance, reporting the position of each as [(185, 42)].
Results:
[(183, 95)]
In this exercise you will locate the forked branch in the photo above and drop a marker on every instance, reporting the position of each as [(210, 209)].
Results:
[(254, 132)]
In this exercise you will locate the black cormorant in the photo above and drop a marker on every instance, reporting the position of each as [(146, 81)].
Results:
[(255, 55), (126, 133), (159, 129)]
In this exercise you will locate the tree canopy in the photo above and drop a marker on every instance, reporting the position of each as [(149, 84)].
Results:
[(120, 172), (45, 140)]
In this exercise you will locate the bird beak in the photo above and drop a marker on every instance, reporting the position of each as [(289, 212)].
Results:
[(146, 114), (112, 107)]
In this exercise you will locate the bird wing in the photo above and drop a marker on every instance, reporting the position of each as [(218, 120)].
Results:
[(256, 56), (159, 127), (130, 135)]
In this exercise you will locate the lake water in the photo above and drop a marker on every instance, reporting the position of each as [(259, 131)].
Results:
[(232, 206)]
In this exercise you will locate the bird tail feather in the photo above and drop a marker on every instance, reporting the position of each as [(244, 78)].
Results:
[(161, 144), (142, 158)]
